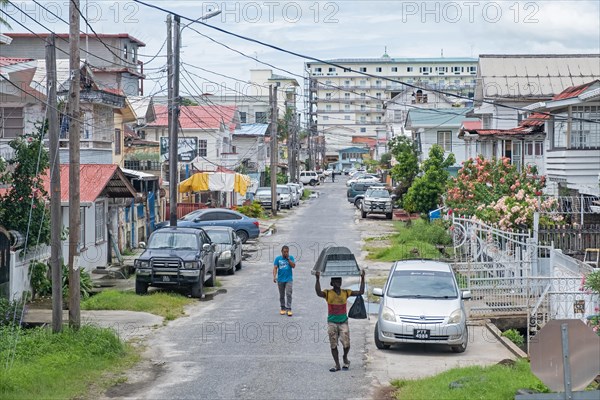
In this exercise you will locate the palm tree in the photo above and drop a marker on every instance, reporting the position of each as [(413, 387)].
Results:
[(3, 4)]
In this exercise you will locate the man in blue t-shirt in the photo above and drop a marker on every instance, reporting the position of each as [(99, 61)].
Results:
[(282, 276)]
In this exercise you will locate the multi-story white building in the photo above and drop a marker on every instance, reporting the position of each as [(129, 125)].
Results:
[(350, 103)]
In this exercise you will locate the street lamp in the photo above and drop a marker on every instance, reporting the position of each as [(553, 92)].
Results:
[(173, 107)]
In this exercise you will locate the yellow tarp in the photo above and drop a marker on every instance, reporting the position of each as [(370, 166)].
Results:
[(199, 182)]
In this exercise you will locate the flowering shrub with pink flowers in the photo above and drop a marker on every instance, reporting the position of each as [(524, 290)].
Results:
[(495, 192)]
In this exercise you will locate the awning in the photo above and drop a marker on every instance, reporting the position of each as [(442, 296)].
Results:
[(216, 182)]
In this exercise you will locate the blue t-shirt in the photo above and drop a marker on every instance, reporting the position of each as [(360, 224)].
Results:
[(284, 271)]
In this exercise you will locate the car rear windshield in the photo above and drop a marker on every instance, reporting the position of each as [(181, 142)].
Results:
[(285, 190), (263, 191), (222, 237), (173, 240), (422, 284)]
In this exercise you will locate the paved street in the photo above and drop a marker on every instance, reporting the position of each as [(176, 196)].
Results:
[(238, 346)]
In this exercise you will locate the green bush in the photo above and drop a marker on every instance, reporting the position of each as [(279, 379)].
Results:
[(514, 336), (41, 285), (305, 194), (253, 210), (10, 312), (85, 283)]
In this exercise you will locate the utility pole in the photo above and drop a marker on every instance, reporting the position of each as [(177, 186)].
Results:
[(174, 126), (312, 119), (55, 215), (74, 161), (273, 102), (170, 109)]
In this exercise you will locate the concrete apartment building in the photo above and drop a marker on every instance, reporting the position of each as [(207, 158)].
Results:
[(349, 103)]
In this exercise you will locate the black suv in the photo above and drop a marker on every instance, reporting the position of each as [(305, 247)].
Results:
[(176, 257), (356, 191)]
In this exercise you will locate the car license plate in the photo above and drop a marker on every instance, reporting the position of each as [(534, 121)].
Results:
[(421, 334), (165, 278)]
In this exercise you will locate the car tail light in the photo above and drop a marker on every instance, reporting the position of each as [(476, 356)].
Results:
[(256, 223)]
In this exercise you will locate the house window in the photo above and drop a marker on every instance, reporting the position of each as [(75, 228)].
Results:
[(100, 222), (328, 107), (363, 130), (347, 107), (394, 69), (363, 83), (420, 97), (378, 119), (529, 148), (539, 148), (409, 69), (347, 83), (378, 69), (444, 139), (472, 70), (318, 69), (260, 117), (362, 95), (425, 70), (243, 117), (125, 52), (133, 53), (332, 69), (378, 83), (441, 70), (378, 107), (458, 70), (325, 118), (378, 95), (363, 69), (328, 96), (82, 227), (117, 141), (585, 129), (347, 117), (363, 120), (347, 95), (11, 122), (202, 147)]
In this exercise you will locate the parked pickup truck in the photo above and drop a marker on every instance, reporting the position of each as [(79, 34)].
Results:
[(176, 257), (377, 200), (356, 192)]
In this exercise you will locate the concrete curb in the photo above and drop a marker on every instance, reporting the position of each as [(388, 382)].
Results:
[(513, 348), (271, 229)]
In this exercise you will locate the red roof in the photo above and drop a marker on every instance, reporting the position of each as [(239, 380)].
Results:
[(574, 91), (371, 142), (198, 117), (81, 35), (471, 125), (6, 61), (93, 180)]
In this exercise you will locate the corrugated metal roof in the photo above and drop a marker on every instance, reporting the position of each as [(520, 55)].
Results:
[(95, 180), (446, 117), (7, 61), (81, 36), (252, 130), (535, 76), (574, 91), (198, 117)]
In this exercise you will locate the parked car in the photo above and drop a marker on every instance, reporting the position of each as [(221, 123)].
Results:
[(285, 195), (356, 192), (228, 251), (296, 193), (263, 196), (422, 303), (377, 200), (245, 227), (309, 178), (362, 178), (176, 257)]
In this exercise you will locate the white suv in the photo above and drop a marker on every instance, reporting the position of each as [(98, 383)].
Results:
[(309, 178)]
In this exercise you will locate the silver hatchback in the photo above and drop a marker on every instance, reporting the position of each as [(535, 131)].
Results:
[(421, 303)]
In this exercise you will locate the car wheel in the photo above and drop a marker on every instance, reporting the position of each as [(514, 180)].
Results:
[(243, 235), (231, 270), (141, 287), (363, 214), (212, 280), (389, 215), (197, 290), (463, 346), (312, 182), (358, 203), (239, 265), (378, 343)]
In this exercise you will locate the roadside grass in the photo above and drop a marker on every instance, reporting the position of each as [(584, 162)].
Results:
[(166, 304), (305, 194), (494, 382), (62, 365), (418, 239)]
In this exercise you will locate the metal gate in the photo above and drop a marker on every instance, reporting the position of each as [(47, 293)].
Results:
[(4, 263), (495, 265)]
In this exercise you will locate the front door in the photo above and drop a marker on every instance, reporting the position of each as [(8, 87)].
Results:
[(4, 264)]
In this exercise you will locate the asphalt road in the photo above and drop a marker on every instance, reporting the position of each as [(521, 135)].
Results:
[(238, 346)]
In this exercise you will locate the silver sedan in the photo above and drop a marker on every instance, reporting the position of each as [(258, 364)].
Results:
[(228, 250)]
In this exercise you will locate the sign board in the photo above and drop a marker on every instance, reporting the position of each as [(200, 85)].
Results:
[(187, 148), (546, 353)]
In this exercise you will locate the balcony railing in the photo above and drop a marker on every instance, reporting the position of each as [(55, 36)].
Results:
[(143, 165)]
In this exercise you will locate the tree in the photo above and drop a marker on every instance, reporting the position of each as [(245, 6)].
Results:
[(284, 125), (385, 161), (404, 172), (23, 207), (188, 102), (425, 193), (3, 22)]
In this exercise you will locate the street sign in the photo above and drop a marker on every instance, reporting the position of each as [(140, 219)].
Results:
[(583, 355), (187, 149)]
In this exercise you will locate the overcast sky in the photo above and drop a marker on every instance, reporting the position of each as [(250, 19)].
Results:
[(335, 29)]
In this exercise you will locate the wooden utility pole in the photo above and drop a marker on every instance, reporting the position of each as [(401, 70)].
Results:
[(74, 161), (174, 126), (55, 214), (273, 102), (172, 204)]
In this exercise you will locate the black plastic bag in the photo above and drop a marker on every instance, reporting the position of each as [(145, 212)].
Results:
[(358, 310)]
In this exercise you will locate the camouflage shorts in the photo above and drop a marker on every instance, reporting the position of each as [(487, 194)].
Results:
[(339, 332)]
